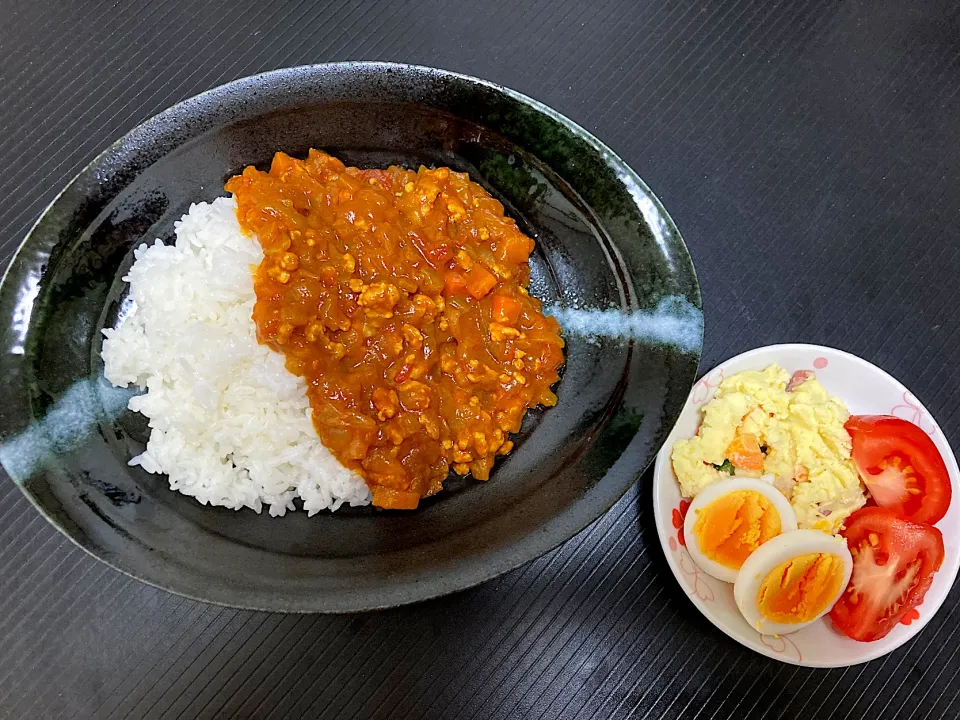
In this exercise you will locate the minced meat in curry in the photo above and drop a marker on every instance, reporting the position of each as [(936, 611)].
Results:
[(401, 298)]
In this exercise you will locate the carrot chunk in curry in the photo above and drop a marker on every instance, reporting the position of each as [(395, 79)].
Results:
[(401, 298)]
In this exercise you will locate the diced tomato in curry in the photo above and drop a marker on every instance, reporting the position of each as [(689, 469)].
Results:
[(401, 298)]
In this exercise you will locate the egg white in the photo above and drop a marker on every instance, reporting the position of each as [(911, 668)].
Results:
[(711, 493), (771, 554)]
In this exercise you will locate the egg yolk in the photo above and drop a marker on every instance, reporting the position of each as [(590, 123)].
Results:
[(801, 588), (732, 527)]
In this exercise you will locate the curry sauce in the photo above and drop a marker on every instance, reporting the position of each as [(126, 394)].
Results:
[(401, 298)]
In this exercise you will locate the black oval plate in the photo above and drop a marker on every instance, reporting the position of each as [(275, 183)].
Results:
[(607, 254)]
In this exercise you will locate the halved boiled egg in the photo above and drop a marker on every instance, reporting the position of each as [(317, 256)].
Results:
[(792, 580), (729, 519)]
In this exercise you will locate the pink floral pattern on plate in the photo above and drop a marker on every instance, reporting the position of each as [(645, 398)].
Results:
[(703, 390), (782, 645), (698, 583), (910, 410)]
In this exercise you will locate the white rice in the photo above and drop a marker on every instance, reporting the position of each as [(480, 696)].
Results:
[(230, 425)]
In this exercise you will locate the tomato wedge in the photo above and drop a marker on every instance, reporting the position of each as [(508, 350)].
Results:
[(901, 467), (893, 565)]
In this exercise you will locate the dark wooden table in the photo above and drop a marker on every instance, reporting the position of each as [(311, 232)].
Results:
[(810, 153)]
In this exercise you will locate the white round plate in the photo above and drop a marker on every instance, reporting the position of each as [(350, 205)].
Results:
[(865, 389)]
